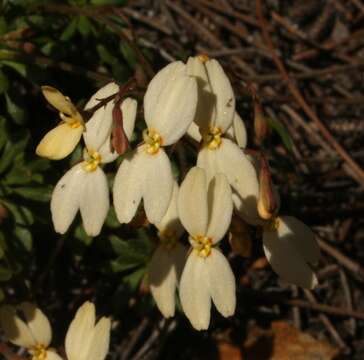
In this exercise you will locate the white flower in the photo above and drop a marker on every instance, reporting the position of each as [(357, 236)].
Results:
[(84, 187), (205, 211), (289, 246), (61, 141), (169, 108), (167, 262), (214, 115), (86, 339), (27, 326)]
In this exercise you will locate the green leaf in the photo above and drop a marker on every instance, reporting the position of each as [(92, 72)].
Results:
[(3, 132), (105, 55), (81, 235), (4, 83), (84, 25), (111, 219), (280, 129), (16, 112), (18, 67), (134, 279), (3, 25), (128, 54), (2, 295), (70, 30), (108, 2), (42, 194), (5, 274), (24, 236), (10, 152), (21, 214)]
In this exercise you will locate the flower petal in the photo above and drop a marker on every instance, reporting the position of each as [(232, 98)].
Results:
[(94, 201), (107, 153), (301, 237), (241, 174), (176, 112), (194, 292), (286, 261), (192, 202), (221, 282), (206, 106), (100, 340), (37, 322), (80, 331), (237, 132), (158, 185), (104, 92), (129, 185), (157, 84), (163, 272), (194, 132), (170, 222), (129, 111), (52, 355), (225, 99), (65, 200), (58, 100), (220, 207), (59, 142), (16, 330), (206, 159)]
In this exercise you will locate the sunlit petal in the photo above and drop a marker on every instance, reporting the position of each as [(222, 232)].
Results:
[(100, 340), (58, 100)]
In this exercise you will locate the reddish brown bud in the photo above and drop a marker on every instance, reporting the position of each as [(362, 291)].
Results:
[(268, 202), (260, 123), (119, 140)]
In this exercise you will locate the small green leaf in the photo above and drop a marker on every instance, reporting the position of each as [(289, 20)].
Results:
[(280, 129), (111, 220), (42, 194), (5, 274), (21, 214), (105, 55), (81, 235), (128, 54), (70, 30), (4, 83), (84, 25), (24, 236), (10, 152), (18, 67), (134, 279), (16, 112)]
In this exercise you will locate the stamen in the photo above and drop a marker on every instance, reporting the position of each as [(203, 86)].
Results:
[(93, 161), (152, 140), (213, 138), (202, 245), (39, 352), (71, 121), (273, 224)]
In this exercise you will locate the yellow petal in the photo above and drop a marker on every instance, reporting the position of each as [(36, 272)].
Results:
[(59, 142), (58, 100)]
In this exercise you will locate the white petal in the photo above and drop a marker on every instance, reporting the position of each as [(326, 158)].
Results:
[(206, 107), (94, 201), (37, 322), (129, 110), (286, 261), (153, 94), (163, 274), (247, 210), (206, 159), (98, 128), (194, 132), (220, 207), (237, 132), (16, 330), (65, 200), (104, 92), (100, 340), (301, 237), (158, 185), (58, 100), (80, 331), (241, 174), (192, 202), (170, 221), (175, 112), (221, 282), (52, 355), (225, 99), (194, 292), (105, 152), (129, 186), (59, 142)]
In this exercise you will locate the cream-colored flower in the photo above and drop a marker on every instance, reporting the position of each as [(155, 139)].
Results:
[(167, 262), (169, 108), (214, 116), (84, 187), (86, 339), (290, 246), (25, 325), (205, 210), (61, 141)]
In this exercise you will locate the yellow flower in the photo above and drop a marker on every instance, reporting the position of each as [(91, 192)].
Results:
[(61, 141)]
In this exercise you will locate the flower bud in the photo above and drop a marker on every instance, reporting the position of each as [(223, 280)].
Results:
[(260, 123), (119, 140), (268, 203)]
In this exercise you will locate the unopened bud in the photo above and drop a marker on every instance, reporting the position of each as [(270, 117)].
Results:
[(119, 140), (260, 123), (268, 202), (239, 238)]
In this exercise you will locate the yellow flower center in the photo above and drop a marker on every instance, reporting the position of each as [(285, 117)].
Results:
[(272, 224), (39, 352), (202, 245), (92, 162), (73, 122), (213, 138), (152, 140), (168, 239), (203, 58)]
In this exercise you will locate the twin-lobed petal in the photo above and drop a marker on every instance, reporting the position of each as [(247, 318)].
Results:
[(289, 248)]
